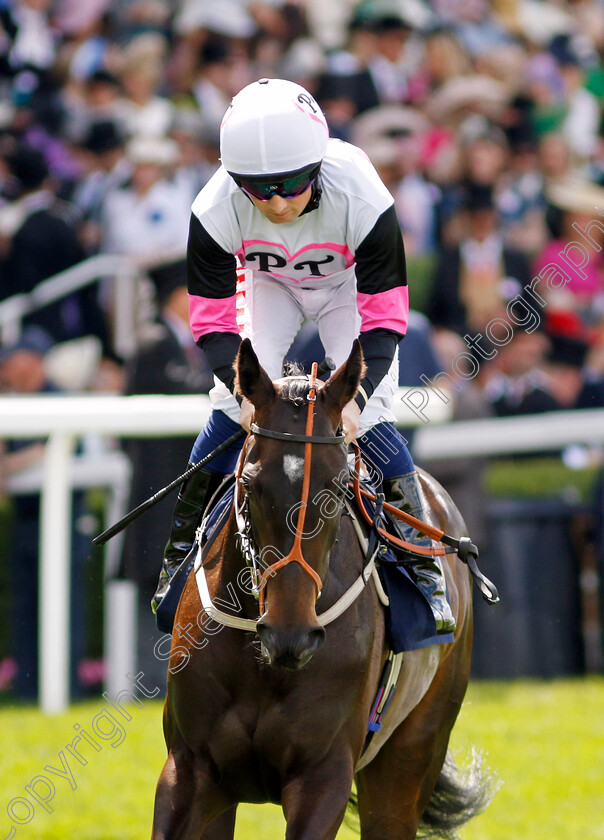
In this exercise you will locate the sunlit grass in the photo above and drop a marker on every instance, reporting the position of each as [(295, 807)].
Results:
[(543, 740)]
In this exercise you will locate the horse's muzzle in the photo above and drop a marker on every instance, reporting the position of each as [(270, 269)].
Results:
[(289, 649)]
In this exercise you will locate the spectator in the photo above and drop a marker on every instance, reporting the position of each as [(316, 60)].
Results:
[(105, 168), (141, 109), (520, 200), (22, 371), (96, 101), (575, 363), (198, 149), (28, 48), (396, 58), (167, 362), (394, 139), (581, 117), (40, 239), (574, 252), (346, 87), (518, 382), (474, 281), (149, 214), (214, 85)]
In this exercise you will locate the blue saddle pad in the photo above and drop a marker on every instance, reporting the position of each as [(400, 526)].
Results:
[(166, 611), (410, 623), (409, 620)]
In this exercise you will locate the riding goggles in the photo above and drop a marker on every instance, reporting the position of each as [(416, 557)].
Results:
[(286, 187)]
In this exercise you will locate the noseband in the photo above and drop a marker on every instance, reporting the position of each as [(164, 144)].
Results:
[(308, 439)]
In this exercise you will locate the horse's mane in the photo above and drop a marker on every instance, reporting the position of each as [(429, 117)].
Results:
[(295, 388)]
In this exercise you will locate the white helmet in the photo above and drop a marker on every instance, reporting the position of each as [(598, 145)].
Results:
[(271, 127)]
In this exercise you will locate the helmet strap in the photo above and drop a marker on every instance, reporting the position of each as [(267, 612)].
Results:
[(315, 196)]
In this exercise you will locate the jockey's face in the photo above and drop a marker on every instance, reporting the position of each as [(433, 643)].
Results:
[(282, 210)]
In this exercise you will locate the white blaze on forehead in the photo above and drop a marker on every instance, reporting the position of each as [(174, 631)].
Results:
[(293, 467)]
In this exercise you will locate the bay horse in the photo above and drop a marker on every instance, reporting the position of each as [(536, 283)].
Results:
[(278, 711)]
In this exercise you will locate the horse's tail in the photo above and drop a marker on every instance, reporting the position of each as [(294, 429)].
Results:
[(457, 797)]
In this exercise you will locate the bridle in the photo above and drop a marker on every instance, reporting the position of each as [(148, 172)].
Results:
[(463, 546), (295, 554)]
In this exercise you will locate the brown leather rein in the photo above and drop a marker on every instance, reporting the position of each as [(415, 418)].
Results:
[(462, 546), (423, 527), (295, 555)]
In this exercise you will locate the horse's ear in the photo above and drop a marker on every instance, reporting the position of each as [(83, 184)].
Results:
[(252, 380), (344, 384)]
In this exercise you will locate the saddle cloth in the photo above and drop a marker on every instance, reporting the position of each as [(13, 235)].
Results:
[(410, 623)]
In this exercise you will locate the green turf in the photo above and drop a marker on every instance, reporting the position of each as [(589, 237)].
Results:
[(544, 740)]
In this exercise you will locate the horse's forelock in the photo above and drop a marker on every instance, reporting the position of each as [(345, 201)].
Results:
[(294, 388)]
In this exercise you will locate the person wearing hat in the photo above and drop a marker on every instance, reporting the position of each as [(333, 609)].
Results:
[(575, 362), (474, 280), (310, 220), (106, 168), (147, 215), (23, 372), (40, 237), (574, 248), (166, 361)]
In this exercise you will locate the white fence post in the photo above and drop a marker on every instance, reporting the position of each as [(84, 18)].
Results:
[(120, 636), (125, 316), (55, 577)]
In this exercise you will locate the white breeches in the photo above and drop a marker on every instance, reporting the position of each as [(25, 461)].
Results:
[(272, 316)]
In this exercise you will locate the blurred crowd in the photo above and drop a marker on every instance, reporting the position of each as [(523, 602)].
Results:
[(484, 119)]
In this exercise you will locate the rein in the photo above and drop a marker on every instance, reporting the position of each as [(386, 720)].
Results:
[(247, 543), (368, 573), (422, 527), (463, 546), (295, 555)]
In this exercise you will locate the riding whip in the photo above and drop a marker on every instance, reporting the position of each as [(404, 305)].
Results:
[(161, 494)]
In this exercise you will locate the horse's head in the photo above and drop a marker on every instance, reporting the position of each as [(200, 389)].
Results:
[(294, 538)]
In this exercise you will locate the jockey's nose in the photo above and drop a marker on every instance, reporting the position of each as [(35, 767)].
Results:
[(278, 204), (289, 648)]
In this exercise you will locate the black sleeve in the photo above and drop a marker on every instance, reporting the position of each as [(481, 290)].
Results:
[(211, 270), (211, 273), (380, 258), (379, 347), (379, 266), (221, 349)]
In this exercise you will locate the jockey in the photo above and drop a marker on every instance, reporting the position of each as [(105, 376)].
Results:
[(310, 219)]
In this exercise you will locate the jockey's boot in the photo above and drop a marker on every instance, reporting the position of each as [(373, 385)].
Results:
[(193, 497), (405, 492)]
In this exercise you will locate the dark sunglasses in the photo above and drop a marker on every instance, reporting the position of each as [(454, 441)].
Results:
[(287, 188)]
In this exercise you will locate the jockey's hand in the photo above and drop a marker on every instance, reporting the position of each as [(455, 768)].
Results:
[(350, 420), (247, 414)]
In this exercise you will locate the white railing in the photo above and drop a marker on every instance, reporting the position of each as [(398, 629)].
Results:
[(122, 271), (63, 419)]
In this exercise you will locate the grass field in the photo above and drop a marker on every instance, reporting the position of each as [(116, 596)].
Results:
[(544, 740)]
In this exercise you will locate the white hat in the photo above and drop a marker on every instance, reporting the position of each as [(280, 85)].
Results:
[(159, 150), (272, 126), (576, 194)]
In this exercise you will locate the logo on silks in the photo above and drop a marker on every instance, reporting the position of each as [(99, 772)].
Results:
[(317, 260)]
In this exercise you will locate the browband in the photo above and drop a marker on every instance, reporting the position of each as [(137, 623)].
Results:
[(258, 430)]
